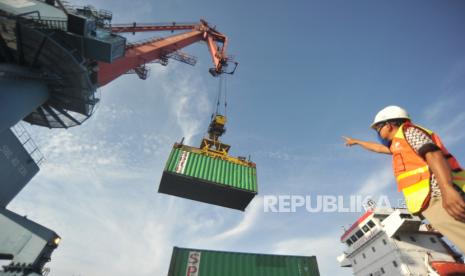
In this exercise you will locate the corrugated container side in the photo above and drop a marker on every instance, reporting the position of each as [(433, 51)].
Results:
[(172, 160), (190, 174), (214, 170), (220, 263)]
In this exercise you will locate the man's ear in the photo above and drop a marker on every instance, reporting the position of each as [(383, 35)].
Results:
[(393, 128), (390, 127)]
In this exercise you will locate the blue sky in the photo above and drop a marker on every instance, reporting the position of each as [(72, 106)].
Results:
[(310, 72)]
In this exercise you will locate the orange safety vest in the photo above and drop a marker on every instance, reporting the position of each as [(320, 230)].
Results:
[(412, 172)]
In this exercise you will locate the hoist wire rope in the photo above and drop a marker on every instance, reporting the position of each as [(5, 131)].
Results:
[(225, 97), (218, 96)]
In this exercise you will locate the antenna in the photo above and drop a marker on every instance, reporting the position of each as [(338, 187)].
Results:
[(369, 205)]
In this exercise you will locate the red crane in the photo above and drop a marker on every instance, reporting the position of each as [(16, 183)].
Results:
[(137, 55)]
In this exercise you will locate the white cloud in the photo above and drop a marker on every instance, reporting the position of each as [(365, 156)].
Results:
[(325, 247), (376, 182), (437, 109), (190, 105), (452, 130), (111, 220), (250, 219), (447, 118)]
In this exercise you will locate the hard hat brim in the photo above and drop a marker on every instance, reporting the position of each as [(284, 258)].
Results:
[(376, 123)]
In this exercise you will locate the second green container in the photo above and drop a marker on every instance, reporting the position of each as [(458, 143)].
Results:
[(199, 262)]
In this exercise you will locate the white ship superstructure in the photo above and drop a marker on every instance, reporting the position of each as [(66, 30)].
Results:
[(387, 241)]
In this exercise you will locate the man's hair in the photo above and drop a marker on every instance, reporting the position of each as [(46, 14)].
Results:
[(397, 122)]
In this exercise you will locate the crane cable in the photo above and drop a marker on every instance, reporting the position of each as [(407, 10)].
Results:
[(221, 96), (225, 97)]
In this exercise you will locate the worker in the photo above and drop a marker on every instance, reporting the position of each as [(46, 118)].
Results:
[(431, 179)]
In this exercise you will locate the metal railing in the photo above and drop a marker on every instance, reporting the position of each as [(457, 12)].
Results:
[(41, 22), (50, 23), (28, 143), (137, 43), (155, 24)]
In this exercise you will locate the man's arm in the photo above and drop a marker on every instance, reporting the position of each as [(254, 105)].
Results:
[(451, 199), (375, 147)]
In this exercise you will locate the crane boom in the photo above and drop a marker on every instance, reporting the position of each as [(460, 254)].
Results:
[(137, 56), (136, 28)]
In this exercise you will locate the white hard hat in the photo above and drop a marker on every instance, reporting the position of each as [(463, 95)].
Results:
[(390, 113)]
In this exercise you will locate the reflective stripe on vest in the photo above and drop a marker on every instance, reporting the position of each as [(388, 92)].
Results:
[(459, 179), (420, 171), (412, 172), (416, 196)]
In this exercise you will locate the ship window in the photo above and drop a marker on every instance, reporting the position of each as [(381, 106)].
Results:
[(373, 249), (355, 261), (371, 224), (359, 233), (353, 238), (371, 274), (412, 239), (365, 228), (382, 271), (363, 255), (394, 263), (349, 242), (433, 240), (406, 216), (384, 242)]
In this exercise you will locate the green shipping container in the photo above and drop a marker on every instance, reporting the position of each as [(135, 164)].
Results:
[(190, 174), (197, 262)]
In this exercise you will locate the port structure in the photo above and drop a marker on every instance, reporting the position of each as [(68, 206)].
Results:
[(53, 58), (159, 49), (25, 246)]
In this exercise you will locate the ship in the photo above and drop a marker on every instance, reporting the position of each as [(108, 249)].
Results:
[(391, 241)]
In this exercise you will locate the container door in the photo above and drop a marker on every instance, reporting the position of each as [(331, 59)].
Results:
[(307, 267)]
